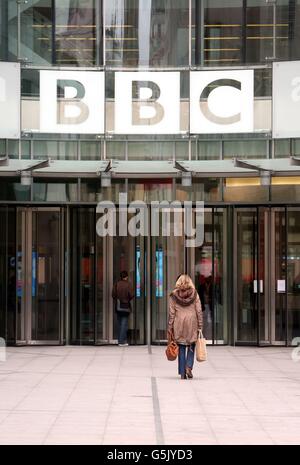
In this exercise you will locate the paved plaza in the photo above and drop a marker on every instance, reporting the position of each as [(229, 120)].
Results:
[(133, 395)]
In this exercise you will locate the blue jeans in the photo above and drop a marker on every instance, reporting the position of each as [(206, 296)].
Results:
[(185, 357), (122, 327)]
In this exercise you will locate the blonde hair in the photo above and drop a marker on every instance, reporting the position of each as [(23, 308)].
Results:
[(184, 282)]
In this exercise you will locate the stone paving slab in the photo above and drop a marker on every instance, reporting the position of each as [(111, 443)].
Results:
[(133, 395)]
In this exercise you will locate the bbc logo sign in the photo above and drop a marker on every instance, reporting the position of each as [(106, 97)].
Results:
[(149, 102), (146, 102)]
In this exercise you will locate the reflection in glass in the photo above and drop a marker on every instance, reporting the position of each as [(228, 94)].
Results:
[(83, 276), (146, 33), (202, 189), (220, 281), (55, 149), (53, 191), (8, 274), (128, 254), (247, 285), (204, 269), (70, 34), (75, 32), (245, 190), (293, 273), (148, 191), (149, 150), (36, 31), (168, 262), (12, 189), (221, 29), (280, 276), (229, 32), (46, 276)]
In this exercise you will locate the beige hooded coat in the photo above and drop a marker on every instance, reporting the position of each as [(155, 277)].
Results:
[(185, 315)]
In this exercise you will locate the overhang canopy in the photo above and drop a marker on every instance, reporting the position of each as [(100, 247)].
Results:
[(148, 169), (144, 169), (226, 168), (56, 168)]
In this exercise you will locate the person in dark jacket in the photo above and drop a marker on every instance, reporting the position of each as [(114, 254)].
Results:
[(122, 295)]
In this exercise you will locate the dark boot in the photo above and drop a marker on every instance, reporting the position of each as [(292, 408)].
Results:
[(189, 373)]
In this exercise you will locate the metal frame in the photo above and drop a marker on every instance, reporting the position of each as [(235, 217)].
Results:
[(26, 215), (269, 280)]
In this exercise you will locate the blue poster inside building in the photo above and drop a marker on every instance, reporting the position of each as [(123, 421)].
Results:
[(159, 273)]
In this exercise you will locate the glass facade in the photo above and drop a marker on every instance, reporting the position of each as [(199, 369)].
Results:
[(251, 230)]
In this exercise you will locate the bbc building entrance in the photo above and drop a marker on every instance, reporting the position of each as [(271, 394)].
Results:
[(58, 276), (183, 101)]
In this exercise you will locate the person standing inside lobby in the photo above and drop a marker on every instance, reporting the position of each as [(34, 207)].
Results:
[(122, 295)]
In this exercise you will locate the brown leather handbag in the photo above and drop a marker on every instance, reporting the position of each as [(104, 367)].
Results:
[(172, 348)]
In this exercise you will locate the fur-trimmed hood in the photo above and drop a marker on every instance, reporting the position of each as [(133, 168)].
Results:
[(184, 297)]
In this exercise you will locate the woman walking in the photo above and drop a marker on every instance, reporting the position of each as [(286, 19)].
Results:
[(185, 320)]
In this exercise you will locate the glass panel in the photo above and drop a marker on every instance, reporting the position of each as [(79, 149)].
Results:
[(167, 264), (69, 35), (128, 254), (36, 31), (104, 193), (3, 271), (280, 277), (263, 88), (8, 274), (101, 314), (246, 275), (223, 36), (2, 147), (287, 29), (282, 148), (147, 150), (202, 189), (293, 273), (263, 275), (90, 150), (209, 150), (182, 150), (147, 33), (115, 150), (296, 146), (52, 191), (245, 190), (259, 31), (83, 275), (46, 276), (285, 189), (147, 190), (204, 270), (20, 276), (245, 149), (13, 149), (75, 32), (90, 190), (56, 150), (4, 30), (12, 189), (220, 278)]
